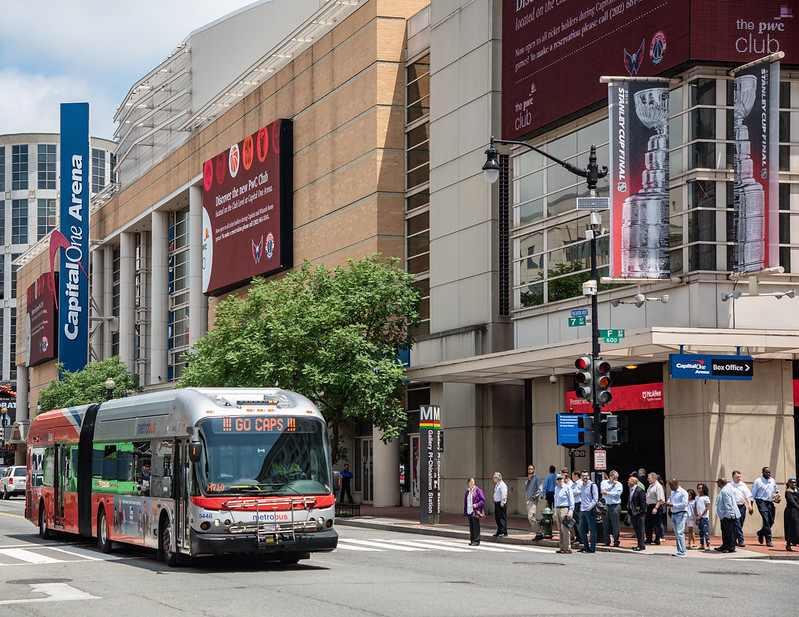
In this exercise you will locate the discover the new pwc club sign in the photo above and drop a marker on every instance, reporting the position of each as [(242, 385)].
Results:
[(248, 209), (555, 51), (73, 237), (41, 320)]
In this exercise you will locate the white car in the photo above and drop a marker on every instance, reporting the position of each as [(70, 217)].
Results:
[(13, 481)]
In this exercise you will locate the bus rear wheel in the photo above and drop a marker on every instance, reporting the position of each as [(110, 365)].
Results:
[(44, 532), (103, 543)]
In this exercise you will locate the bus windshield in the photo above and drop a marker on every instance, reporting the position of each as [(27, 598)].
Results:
[(264, 455)]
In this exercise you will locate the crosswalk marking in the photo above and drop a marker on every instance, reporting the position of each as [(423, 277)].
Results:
[(424, 544), (383, 544), (27, 556)]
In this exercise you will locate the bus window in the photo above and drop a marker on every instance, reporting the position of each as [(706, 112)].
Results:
[(49, 466)]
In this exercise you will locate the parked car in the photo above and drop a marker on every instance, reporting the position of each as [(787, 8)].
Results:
[(13, 481)]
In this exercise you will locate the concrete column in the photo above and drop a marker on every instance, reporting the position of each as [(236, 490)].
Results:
[(108, 300), (159, 298), (127, 310), (385, 472), (198, 303), (23, 394), (97, 326)]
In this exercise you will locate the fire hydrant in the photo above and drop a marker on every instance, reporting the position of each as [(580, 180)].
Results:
[(546, 522)]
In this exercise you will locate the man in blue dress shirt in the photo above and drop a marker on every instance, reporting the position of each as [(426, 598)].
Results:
[(763, 491), (611, 492), (564, 509), (549, 487), (727, 511), (678, 502), (589, 495)]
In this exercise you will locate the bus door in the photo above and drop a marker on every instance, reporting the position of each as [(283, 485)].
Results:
[(60, 473), (180, 491)]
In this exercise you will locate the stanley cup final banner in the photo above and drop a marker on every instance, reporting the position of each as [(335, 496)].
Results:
[(755, 191), (639, 179)]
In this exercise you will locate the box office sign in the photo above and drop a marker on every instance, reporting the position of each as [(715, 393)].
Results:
[(40, 321), (248, 209)]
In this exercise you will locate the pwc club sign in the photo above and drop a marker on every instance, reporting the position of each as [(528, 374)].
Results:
[(248, 209)]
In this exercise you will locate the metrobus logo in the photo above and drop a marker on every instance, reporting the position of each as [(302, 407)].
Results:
[(429, 416)]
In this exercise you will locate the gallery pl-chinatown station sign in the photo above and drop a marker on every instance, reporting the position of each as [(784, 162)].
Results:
[(248, 209)]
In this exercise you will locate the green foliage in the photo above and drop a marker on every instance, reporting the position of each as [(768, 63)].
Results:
[(88, 385), (329, 335)]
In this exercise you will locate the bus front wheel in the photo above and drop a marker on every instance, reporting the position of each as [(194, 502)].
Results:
[(103, 543), (44, 532), (165, 551)]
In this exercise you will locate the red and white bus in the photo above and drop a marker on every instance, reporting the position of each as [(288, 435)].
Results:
[(190, 472)]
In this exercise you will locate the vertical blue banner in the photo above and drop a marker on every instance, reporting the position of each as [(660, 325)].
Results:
[(73, 296)]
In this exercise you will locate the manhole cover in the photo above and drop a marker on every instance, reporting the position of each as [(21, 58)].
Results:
[(723, 573), (39, 581)]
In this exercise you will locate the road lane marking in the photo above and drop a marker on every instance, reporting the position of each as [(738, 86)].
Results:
[(56, 592), (425, 544), (347, 547), (28, 556)]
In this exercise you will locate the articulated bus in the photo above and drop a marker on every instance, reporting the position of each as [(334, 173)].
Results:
[(188, 472)]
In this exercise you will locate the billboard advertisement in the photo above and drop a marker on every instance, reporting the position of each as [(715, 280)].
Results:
[(554, 52), (73, 297), (40, 322), (756, 167), (247, 209), (639, 179), (625, 398)]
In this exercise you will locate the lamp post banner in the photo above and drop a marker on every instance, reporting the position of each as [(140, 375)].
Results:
[(756, 166), (639, 179), (73, 237)]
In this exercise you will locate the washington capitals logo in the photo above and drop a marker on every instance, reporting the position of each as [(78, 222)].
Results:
[(270, 245), (257, 249), (633, 62)]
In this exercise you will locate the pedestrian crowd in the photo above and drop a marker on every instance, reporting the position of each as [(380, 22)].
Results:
[(578, 504)]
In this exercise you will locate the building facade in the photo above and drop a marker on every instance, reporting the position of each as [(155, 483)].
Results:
[(393, 105)]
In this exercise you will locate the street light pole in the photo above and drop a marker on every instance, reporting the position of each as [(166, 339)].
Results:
[(592, 173)]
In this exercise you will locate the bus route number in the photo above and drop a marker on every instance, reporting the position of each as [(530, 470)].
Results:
[(215, 488)]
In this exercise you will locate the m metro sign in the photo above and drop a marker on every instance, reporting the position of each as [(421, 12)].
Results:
[(698, 366)]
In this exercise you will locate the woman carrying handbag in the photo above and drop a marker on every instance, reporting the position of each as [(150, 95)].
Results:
[(473, 507)]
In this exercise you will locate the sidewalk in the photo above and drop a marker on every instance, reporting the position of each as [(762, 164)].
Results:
[(406, 520)]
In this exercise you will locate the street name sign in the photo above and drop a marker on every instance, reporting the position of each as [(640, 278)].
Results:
[(576, 321), (611, 336), (698, 366), (593, 203), (579, 312)]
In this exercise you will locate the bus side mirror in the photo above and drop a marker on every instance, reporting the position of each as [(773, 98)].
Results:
[(195, 451)]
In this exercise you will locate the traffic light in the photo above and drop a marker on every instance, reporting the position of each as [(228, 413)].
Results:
[(603, 383), (583, 377), (585, 424), (615, 429)]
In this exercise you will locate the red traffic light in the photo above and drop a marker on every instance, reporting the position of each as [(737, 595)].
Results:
[(583, 363)]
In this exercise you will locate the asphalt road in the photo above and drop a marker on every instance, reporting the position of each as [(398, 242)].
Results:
[(376, 572)]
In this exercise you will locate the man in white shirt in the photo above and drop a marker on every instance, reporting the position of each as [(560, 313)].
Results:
[(564, 508), (678, 502), (743, 499), (500, 505), (763, 490), (611, 492)]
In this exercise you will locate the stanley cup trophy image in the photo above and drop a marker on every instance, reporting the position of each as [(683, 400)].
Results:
[(645, 215), (748, 194)]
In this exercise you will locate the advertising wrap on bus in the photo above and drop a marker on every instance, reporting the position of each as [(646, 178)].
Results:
[(226, 471)]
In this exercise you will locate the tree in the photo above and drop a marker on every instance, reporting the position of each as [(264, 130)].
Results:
[(332, 336), (87, 385)]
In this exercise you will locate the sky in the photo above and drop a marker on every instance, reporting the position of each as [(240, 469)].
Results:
[(54, 51)]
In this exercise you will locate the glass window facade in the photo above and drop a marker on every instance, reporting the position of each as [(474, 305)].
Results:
[(98, 170), (417, 178), (551, 255), (46, 166), (178, 291), (19, 167), (19, 221), (45, 217), (2, 168)]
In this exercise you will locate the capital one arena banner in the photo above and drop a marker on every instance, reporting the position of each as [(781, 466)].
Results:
[(248, 209), (555, 51)]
